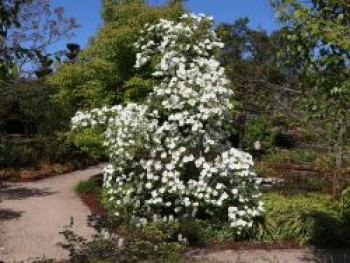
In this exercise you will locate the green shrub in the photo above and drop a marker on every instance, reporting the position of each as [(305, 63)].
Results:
[(306, 219), (26, 108), (88, 141), (152, 242), (303, 155), (104, 72), (259, 129), (215, 233), (19, 153), (88, 187), (29, 124), (192, 230), (295, 155), (67, 152), (32, 152)]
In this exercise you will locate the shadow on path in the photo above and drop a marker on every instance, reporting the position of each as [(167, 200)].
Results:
[(16, 193), (9, 214)]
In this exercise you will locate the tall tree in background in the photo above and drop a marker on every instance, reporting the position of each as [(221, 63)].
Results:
[(8, 19), (103, 73), (318, 42), (27, 28), (250, 58)]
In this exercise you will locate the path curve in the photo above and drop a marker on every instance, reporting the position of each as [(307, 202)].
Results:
[(32, 215)]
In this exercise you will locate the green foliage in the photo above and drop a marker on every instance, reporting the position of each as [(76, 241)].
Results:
[(32, 152), (29, 104), (193, 231), (88, 187), (88, 140), (156, 241), (30, 123), (18, 154), (150, 243), (250, 59), (317, 41), (306, 219), (291, 155), (104, 73), (65, 152), (260, 129), (213, 232)]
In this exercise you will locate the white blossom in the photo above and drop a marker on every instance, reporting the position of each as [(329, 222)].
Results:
[(172, 153)]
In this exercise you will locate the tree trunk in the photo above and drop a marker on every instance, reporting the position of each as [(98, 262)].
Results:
[(340, 144), (339, 155), (242, 119)]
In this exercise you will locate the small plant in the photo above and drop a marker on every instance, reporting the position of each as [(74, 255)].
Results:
[(156, 242), (88, 187), (192, 230), (260, 129)]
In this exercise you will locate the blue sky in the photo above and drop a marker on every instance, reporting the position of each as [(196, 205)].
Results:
[(87, 12)]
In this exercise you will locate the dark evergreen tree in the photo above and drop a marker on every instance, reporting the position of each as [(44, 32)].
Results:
[(72, 53)]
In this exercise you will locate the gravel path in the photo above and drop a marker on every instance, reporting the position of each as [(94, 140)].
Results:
[(303, 255), (33, 214)]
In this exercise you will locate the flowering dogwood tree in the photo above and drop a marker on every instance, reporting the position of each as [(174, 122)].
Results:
[(171, 156)]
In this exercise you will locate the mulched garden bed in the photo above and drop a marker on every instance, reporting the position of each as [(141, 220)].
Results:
[(93, 202)]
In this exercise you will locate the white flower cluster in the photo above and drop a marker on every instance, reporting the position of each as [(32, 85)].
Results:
[(171, 157)]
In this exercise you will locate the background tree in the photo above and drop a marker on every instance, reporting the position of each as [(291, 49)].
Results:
[(103, 73), (41, 25), (72, 52), (318, 42), (45, 67), (29, 120), (8, 18), (263, 89)]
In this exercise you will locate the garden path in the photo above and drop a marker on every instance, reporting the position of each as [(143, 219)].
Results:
[(302, 255), (32, 215)]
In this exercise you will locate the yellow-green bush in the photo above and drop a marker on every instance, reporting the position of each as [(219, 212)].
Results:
[(306, 219), (104, 72)]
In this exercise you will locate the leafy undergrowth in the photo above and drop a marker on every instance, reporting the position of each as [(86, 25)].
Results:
[(93, 185), (290, 221), (307, 219)]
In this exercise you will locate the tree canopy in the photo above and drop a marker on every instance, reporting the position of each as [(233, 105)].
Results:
[(318, 42), (103, 73)]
